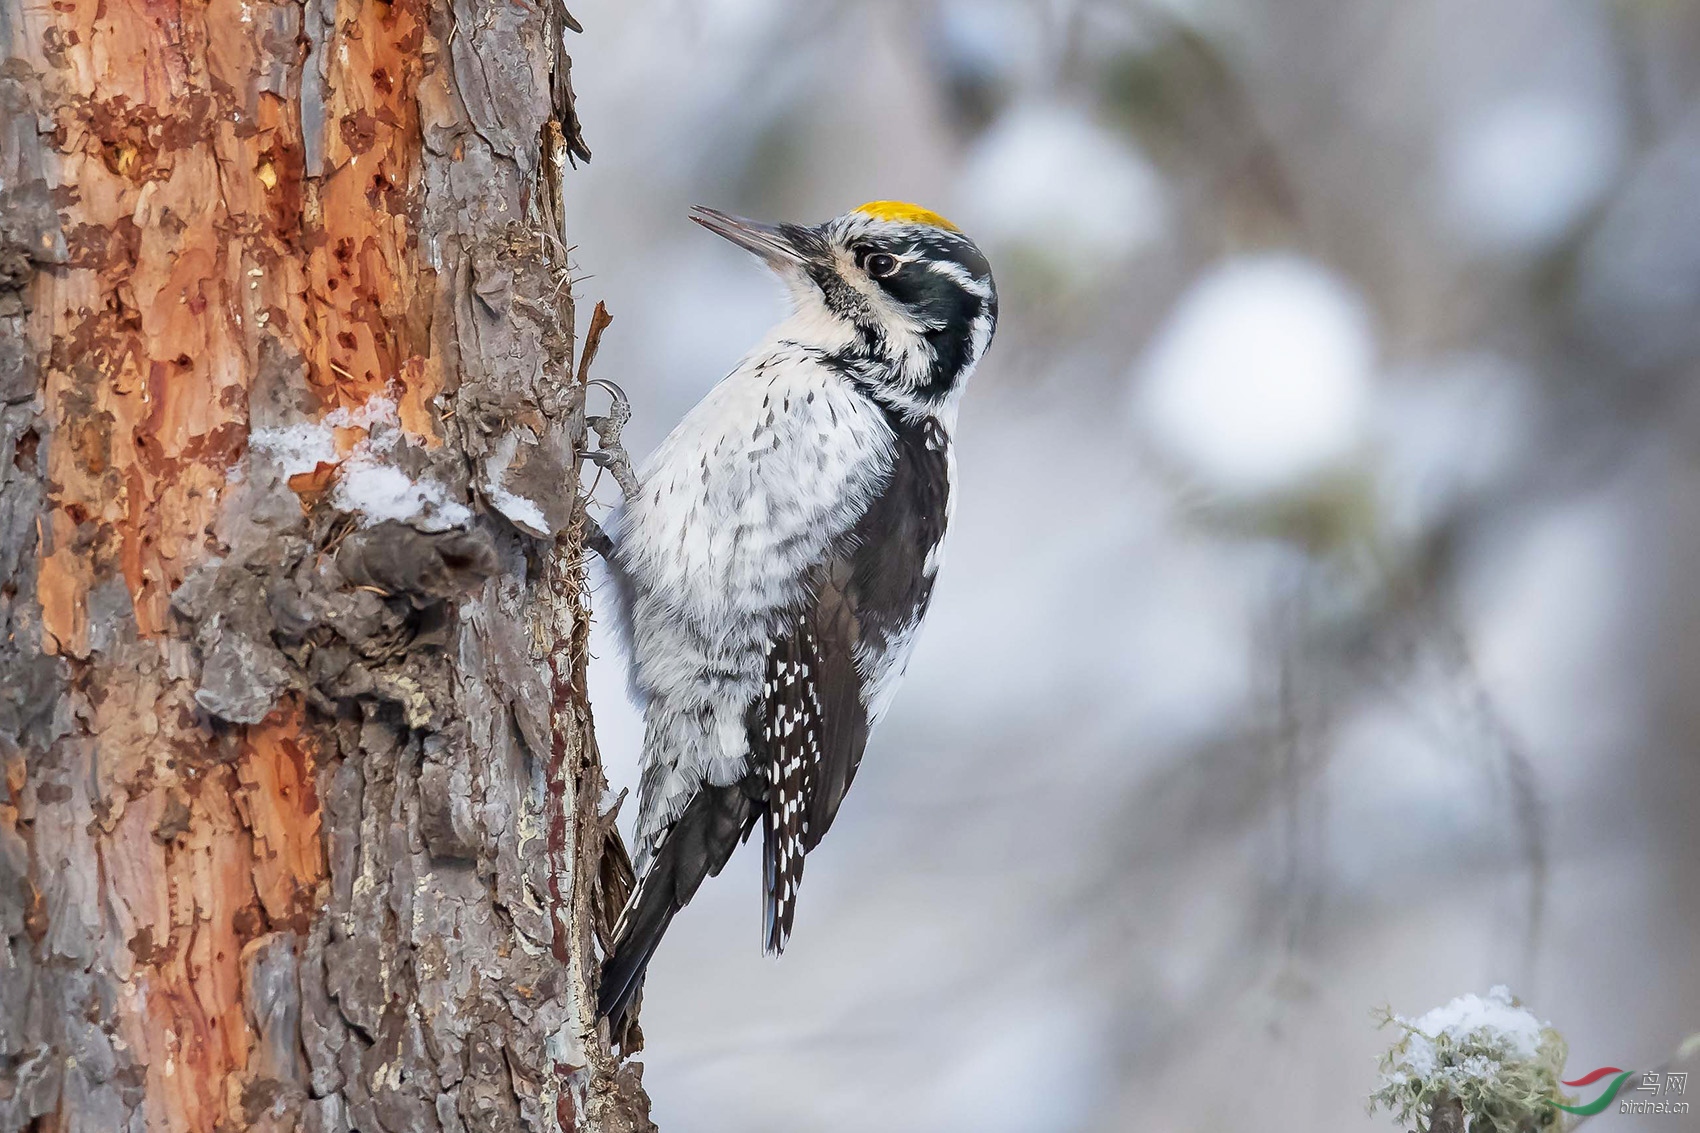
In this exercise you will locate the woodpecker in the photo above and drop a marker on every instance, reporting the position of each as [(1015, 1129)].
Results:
[(777, 563)]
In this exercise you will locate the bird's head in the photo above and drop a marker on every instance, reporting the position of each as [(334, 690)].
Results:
[(894, 292)]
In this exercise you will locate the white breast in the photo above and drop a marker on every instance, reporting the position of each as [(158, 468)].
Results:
[(753, 485)]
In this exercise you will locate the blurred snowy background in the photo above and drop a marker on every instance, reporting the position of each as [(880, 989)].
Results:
[(1321, 626)]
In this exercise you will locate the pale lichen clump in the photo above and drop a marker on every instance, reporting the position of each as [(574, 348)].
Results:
[(1487, 1055)]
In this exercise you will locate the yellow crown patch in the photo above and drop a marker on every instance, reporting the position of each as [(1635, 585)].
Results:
[(905, 213)]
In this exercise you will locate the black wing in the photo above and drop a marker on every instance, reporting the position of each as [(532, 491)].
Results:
[(810, 726)]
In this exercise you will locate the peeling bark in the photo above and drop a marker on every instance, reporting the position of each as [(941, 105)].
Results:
[(299, 822)]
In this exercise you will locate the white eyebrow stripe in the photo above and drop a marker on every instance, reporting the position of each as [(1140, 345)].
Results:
[(959, 275)]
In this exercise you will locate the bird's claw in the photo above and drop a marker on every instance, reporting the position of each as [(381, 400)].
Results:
[(610, 453), (622, 403)]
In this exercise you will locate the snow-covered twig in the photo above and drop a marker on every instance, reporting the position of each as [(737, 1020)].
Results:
[(1485, 1064)]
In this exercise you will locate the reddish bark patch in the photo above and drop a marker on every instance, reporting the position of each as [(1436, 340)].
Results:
[(280, 806)]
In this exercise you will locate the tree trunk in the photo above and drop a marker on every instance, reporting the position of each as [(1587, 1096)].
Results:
[(299, 821)]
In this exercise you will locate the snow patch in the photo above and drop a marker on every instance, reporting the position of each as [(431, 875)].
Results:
[(379, 491), (367, 483), (1259, 380), (1049, 181), (1494, 1021), (1519, 175), (520, 510), (523, 513), (295, 449)]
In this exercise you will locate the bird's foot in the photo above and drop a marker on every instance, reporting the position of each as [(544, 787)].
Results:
[(610, 453)]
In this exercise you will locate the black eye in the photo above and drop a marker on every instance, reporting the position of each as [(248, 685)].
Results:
[(880, 264)]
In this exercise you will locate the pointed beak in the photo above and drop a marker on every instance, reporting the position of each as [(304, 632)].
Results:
[(767, 241)]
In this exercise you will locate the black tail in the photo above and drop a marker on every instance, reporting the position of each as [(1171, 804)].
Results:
[(695, 847)]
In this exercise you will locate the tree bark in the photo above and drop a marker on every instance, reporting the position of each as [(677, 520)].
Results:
[(299, 820)]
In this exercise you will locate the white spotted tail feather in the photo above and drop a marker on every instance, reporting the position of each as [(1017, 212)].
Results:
[(791, 734)]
